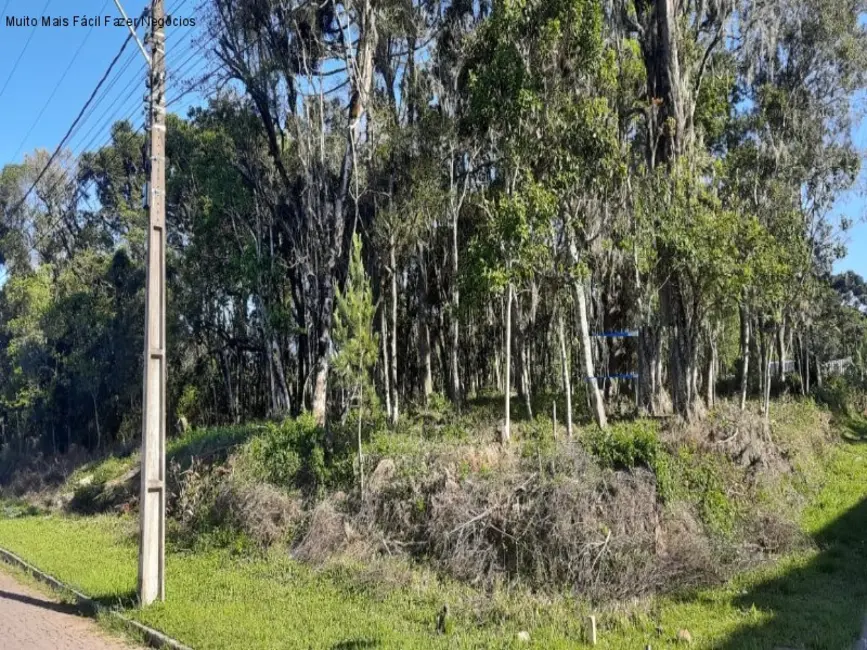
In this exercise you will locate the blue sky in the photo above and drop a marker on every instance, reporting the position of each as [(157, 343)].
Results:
[(52, 50), (60, 66)]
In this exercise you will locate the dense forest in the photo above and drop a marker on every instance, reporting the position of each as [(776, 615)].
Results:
[(383, 203)]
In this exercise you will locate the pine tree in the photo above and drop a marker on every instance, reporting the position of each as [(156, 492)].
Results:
[(354, 339)]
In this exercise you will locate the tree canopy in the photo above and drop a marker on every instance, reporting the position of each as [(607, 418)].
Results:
[(524, 176)]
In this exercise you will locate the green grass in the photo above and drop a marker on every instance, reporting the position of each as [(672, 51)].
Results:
[(813, 599), (217, 600), (196, 443)]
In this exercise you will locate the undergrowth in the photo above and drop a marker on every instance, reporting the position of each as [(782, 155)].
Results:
[(642, 507), (236, 593)]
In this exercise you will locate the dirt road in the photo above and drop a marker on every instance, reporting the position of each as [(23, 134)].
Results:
[(30, 620)]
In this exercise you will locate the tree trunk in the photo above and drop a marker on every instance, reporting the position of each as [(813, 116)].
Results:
[(360, 454), (230, 392), (424, 344), (526, 383), (781, 351), (282, 386), (802, 371), (455, 389), (519, 348), (386, 384), (683, 352), (361, 79), (96, 420), (652, 396), (807, 372), (272, 387), (766, 381), (711, 374), (323, 348), (745, 354), (590, 375), (395, 399), (507, 424), (567, 382), (761, 343)]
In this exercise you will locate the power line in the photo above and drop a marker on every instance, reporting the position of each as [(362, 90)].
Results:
[(113, 156), (185, 67), (121, 101), (220, 68), (177, 8), (86, 147), (5, 7), (77, 119), (122, 97), (57, 86), (107, 91), (21, 55), (52, 229), (70, 183), (116, 151)]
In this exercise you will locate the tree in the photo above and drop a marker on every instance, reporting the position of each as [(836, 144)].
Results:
[(357, 346)]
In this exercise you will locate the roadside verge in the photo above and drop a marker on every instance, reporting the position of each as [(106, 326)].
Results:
[(86, 605)]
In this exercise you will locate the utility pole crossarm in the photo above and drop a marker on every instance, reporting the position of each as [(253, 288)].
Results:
[(141, 46)]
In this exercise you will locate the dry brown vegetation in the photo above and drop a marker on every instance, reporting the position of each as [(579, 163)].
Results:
[(701, 502)]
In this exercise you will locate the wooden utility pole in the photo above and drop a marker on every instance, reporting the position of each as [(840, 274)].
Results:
[(152, 503)]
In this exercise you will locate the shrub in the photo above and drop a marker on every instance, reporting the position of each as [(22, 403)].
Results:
[(631, 445), (626, 445), (841, 394), (259, 512), (438, 407), (687, 475), (293, 454), (792, 383), (700, 478), (192, 495), (188, 404)]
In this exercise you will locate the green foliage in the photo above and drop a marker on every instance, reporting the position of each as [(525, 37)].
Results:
[(626, 445), (703, 479), (397, 603), (292, 454), (188, 403), (356, 343), (685, 475), (72, 353), (838, 394), (517, 45)]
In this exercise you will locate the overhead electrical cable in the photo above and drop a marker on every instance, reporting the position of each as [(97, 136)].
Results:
[(74, 124), (57, 86), (21, 55)]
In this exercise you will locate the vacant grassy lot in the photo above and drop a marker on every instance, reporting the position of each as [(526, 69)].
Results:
[(226, 593), (222, 599)]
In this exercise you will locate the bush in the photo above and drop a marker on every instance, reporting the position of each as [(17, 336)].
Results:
[(293, 455), (631, 445), (259, 512), (687, 475), (700, 479), (837, 394), (792, 383), (626, 445), (188, 404), (192, 495)]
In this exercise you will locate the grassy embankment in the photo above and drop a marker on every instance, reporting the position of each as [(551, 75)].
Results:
[(229, 598)]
